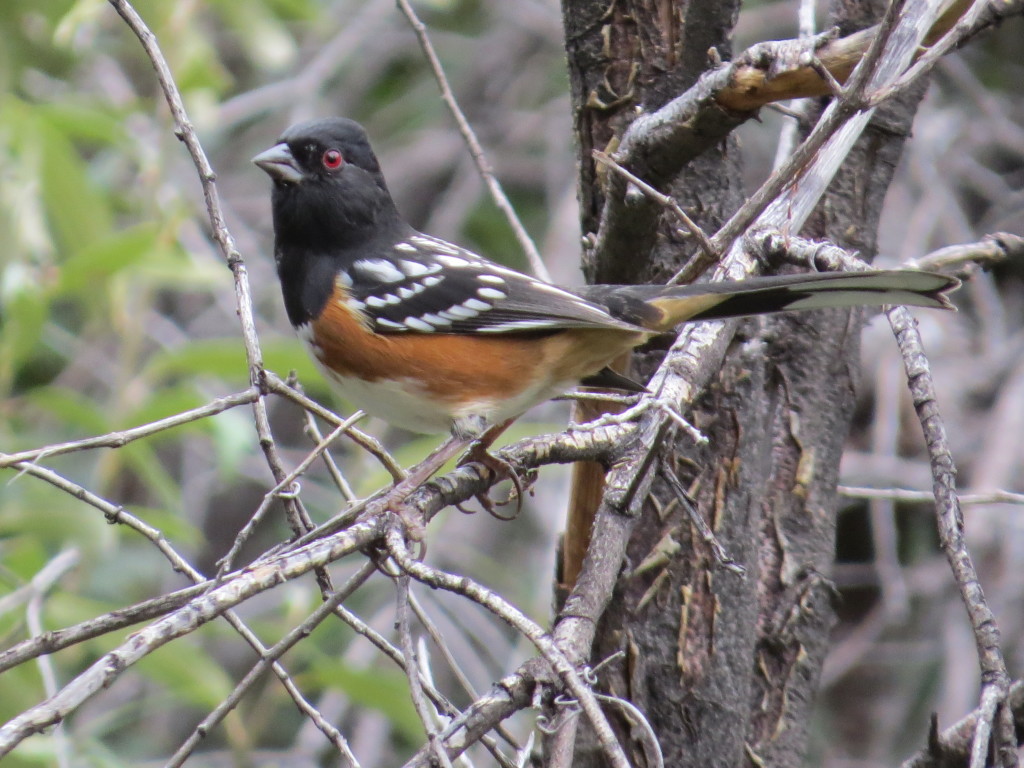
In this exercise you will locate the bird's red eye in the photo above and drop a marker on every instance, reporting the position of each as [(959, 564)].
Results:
[(332, 159)]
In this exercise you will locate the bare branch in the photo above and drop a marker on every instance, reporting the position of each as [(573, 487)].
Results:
[(412, 671), (664, 201), (953, 746), (905, 494), (978, 13), (516, 619), (657, 145), (995, 679), (123, 437), (284, 488), (101, 674), (368, 443), (55, 640), (475, 149), (269, 659)]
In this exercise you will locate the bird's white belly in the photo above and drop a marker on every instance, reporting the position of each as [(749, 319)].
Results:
[(403, 403), (398, 402)]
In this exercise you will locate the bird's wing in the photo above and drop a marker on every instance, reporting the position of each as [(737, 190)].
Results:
[(424, 285)]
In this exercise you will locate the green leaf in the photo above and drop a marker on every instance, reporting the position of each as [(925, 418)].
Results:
[(224, 358), (22, 317), (85, 121), (284, 355), (76, 209), (107, 256), (71, 409)]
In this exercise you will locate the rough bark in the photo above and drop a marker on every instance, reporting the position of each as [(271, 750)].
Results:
[(724, 668), (632, 56)]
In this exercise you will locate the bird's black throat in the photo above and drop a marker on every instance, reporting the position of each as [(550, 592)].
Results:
[(321, 228)]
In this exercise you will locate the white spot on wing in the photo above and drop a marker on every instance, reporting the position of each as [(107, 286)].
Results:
[(356, 304), (458, 312), (435, 320), (383, 322), (417, 325), (492, 293), (406, 293), (430, 282), (492, 279), (382, 301), (416, 269), (516, 325), (379, 269), (476, 304), (433, 243), (452, 261), (405, 247), (344, 279)]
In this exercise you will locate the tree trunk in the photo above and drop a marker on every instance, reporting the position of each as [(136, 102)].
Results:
[(725, 668)]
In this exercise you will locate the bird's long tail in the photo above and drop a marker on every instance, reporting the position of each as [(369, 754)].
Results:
[(660, 308)]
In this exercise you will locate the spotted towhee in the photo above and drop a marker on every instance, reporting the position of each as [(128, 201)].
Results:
[(432, 337)]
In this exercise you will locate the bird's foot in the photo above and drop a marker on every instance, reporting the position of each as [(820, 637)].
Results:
[(500, 470)]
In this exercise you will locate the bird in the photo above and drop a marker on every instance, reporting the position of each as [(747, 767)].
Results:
[(433, 337)]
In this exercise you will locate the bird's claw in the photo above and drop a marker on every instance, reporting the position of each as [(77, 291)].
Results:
[(501, 470)]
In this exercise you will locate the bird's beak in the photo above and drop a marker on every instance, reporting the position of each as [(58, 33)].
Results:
[(279, 163)]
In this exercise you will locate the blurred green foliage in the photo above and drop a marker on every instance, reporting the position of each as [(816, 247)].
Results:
[(116, 310)]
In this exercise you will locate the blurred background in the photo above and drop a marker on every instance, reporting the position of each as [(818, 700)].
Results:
[(116, 309)]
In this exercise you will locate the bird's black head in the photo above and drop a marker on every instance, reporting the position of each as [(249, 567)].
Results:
[(329, 192), (331, 207)]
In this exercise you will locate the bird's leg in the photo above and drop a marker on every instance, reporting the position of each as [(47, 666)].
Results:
[(478, 437), (502, 470), (419, 474)]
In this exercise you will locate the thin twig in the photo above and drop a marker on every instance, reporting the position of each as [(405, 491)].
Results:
[(949, 520), (58, 639), (663, 200), (995, 679), (924, 497), (199, 611), (313, 431), (722, 557), (395, 655), (269, 658), (965, 26), (475, 149), (964, 258), (774, 203), (114, 513), (185, 131), (452, 662), (370, 444), (41, 583), (412, 671), (517, 620), (122, 437), (281, 490)]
